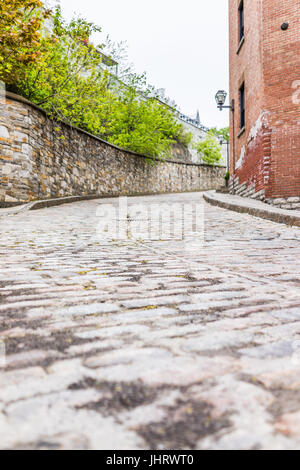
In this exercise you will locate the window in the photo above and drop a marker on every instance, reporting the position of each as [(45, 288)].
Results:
[(241, 21), (242, 106)]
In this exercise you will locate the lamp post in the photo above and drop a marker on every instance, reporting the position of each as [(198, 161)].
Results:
[(220, 97), (221, 140)]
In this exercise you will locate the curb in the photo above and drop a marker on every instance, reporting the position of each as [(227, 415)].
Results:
[(35, 205), (15, 210), (45, 203), (263, 210)]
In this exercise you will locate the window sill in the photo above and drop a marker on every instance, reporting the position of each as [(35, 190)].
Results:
[(241, 132), (240, 45)]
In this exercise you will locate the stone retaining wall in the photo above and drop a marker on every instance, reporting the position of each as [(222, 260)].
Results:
[(41, 159)]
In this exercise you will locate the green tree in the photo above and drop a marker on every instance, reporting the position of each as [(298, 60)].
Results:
[(20, 37), (223, 132), (209, 149)]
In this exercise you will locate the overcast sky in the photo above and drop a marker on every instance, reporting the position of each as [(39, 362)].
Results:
[(182, 45)]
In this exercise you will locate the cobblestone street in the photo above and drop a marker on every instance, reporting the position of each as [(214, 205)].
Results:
[(146, 344)]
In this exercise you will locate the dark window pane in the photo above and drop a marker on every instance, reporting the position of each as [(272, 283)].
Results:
[(242, 106), (241, 21)]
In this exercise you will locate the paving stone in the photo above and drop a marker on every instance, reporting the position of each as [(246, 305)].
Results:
[(127, 356), (21, 376), (287, 314), (112, 331), (90, 309), (289, 424), (281, 379), (104, 433), (27, 358), (87, 348), (148, 302), (63, 441), (218, 340), (144, 315), (280, 349), (182, 371)]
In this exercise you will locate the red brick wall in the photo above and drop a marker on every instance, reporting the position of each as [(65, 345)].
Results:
[(269, 63), (247, 66), (281, 71)]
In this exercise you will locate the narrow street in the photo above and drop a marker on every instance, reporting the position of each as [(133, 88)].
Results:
[(140, 344)]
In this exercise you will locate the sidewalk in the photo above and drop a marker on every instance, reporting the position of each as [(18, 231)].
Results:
[(253, 207)]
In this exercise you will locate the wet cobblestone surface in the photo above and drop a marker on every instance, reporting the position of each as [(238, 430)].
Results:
[(144, 344)]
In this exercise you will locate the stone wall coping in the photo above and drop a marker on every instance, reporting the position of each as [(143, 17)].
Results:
[(21, 99)]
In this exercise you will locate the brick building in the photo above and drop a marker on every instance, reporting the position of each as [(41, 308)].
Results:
[(265, 87)]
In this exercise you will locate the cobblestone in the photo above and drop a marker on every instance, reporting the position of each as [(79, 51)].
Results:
[(138, 343)]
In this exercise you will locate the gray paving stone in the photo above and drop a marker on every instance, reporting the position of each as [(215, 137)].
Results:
[(34, 356), (112, 331), (127, 356), (287, 314), (281, 349), (90, 309), (148, 302)]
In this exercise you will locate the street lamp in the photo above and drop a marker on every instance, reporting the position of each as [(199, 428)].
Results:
[(221, 96)]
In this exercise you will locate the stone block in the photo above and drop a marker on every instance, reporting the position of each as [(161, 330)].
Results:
[(4, 133), (293, 199), (10, 199), (20, 137), (278, 201), (7, 169)]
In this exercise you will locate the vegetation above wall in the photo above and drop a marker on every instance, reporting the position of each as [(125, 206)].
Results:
[(66, 78), (52, 63), (221, 133), (209, 149)]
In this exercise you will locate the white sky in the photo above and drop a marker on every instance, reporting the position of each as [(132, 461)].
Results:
[(182, 45)]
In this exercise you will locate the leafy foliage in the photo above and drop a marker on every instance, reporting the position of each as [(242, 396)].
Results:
[(209, 149), (223, 132), (70, 82), (20, 37)]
